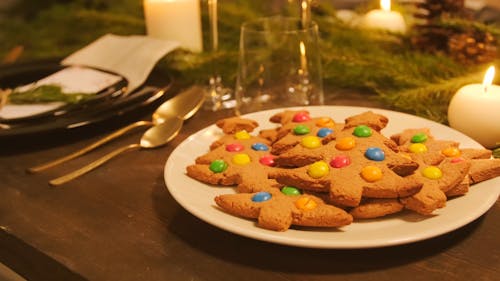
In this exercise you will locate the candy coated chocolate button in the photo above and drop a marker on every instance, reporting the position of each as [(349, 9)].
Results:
[(419, 138), (457, 160), (234, 147), (371, 173), (261, 196), (291, 191), (241, 159), (375, 154), (451, 152), (318, 169), (417, 148), (267, 160), (306, 203), (260, 146), (311, 142), (323, 132), (301, 130), (325, 122), (346, 143), (340, 161), (242, 135), (432, 172), (218, 166), (301, 117), (362, 131)]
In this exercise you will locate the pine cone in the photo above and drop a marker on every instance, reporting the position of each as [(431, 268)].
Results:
[(435, 9), (472, 47)]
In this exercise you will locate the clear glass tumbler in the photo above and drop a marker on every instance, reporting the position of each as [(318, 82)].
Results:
[(279, 65)]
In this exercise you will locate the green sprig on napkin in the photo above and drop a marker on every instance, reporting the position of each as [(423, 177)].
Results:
[(45, 94)]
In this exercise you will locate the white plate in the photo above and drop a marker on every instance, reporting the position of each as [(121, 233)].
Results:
[(402, 228)]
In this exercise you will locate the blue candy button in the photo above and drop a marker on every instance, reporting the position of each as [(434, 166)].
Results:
[(260, 146), (375, 154), (323, 132), (261, 196)]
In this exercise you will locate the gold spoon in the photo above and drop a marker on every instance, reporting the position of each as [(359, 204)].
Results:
[(183, 106), (155, 136)]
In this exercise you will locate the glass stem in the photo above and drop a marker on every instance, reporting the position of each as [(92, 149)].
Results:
[(305, 13)]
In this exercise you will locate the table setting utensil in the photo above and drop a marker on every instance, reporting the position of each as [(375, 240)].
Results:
[(154, 137), (159, 135), (182, 106)]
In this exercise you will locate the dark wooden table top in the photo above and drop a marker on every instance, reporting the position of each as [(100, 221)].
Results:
[(120, 223)]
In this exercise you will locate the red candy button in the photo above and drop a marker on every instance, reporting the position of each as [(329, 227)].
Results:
[(301, 117), (234, 147), (457, 160), (267, 160), (340, 161)]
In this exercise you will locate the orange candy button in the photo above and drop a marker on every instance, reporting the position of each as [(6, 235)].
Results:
[(325, 122), (346, 143), (371, 173), (306, 203), (451, 152)]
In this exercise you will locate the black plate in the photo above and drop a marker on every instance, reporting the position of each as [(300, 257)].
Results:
[(70, 117)]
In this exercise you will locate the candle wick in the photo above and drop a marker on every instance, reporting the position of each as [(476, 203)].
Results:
[(485, 89)]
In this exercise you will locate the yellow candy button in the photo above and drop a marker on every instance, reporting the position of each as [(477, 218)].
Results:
[(306, 203), (346, 143), (311, 142), (242, 135), (325, 122), (318, 169), (451, 152), (432, 172), (241, 159), (371, 173), (417, 148)]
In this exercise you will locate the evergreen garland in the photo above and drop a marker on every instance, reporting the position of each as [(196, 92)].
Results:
[(371, 62)]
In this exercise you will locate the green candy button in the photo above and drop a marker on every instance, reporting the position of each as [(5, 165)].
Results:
[(301, 130), (362, 131), (218, 166), (419, 138), (291, 191)]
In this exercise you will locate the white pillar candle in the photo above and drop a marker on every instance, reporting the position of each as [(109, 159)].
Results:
[(384, 19), (475, 111), (175, 20)]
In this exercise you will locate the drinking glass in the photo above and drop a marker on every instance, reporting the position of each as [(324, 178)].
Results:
[(279, 65)]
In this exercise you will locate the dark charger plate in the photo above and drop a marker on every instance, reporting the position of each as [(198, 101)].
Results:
[(107, 104)]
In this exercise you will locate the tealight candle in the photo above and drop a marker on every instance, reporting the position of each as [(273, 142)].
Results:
[(384, 19), (475, 111), (176, 20)]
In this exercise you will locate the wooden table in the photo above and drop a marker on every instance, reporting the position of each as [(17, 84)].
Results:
[(120, 223)]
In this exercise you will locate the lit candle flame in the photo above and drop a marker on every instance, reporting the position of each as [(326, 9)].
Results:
[(303, 60), (488, 78), (385, 5)]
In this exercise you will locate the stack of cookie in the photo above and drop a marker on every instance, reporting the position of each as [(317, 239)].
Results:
[(313, 171)]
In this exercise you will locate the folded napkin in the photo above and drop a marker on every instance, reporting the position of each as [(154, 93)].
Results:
[(133, 56)]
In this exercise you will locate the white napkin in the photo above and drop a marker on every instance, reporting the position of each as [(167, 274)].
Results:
[(133, 56)]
